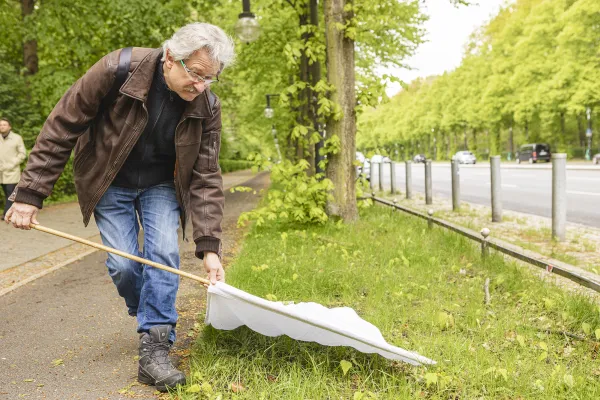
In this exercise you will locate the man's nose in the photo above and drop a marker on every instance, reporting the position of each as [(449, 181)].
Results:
[(200, 86)]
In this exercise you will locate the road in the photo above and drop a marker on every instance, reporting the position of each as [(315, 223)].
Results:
[(524, 188)]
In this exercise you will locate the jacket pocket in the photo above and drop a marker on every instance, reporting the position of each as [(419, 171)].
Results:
[(82, 155)]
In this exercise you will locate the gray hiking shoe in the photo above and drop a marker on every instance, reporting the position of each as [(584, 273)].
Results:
[(155, 367)]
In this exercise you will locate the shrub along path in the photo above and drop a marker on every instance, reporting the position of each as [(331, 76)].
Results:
[(424, 289)]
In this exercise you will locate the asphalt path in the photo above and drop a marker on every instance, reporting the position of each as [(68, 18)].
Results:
[(525, 189), (67, 335)]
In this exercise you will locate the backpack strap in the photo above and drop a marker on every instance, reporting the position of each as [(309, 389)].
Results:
[(212, 99), (120, 77)]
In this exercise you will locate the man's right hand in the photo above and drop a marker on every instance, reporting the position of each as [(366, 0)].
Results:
[(21, 215)]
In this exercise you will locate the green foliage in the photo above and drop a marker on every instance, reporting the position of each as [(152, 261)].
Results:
[(533, 67), (72, 35), (234, 165), (294, 196), (400, 276)]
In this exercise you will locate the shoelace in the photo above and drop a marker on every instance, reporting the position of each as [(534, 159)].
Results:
[(159, 353)]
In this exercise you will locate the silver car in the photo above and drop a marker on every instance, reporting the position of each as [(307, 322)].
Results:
[(465, 157)]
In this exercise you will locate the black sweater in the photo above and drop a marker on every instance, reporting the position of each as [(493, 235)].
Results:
[(152, 159)]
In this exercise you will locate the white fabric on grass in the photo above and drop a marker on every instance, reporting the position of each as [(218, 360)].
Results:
[(229, 308)]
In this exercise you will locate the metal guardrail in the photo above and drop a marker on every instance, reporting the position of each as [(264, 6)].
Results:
[(552, 266)]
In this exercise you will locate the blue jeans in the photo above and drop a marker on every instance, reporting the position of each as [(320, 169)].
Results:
[(149, 292)]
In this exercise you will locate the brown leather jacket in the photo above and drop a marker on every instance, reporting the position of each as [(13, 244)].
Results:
[(102, 143)]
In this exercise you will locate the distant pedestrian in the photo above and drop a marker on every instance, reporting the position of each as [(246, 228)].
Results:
[(12, 154)]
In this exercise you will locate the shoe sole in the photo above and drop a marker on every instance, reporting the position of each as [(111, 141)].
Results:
[(146, 379)]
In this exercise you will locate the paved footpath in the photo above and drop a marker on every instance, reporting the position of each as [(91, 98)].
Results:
[(66, 334)]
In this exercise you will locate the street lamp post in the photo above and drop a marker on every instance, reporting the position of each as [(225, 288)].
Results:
[(269, 113), (588, 134), (247, 27), (434, 144)]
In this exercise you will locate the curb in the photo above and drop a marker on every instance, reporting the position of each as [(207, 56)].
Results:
[(47, 271)]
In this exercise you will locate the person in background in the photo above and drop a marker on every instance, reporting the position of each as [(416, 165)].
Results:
[(12, 154)]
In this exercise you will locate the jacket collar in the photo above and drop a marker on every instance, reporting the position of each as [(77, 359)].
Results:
[(139, 82), (9, 134)]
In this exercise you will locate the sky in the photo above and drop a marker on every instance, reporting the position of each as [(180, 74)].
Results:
[(448, 30)]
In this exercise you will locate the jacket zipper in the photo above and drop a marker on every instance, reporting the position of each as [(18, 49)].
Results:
[(179, 189), (214, 155), (106, 182)]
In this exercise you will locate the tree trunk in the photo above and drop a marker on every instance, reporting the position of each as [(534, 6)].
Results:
[(30, 58), (511, 145), (581, 132), (563, 132), (340, 73), (465, 138), (304, 97), (315, 77)]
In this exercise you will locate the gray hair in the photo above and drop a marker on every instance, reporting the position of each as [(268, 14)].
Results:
[(197, 36)]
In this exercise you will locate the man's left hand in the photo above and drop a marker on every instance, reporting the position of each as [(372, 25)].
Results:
[(213, 267)]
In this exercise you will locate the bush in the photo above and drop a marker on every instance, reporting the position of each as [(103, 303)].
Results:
[(234, 165), (294, 197)]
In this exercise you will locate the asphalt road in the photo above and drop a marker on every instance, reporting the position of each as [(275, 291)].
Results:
[(525, 189)]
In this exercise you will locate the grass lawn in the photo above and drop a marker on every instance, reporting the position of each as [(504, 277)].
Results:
[(424, 290)]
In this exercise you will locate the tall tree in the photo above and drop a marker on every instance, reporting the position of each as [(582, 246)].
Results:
[(30, 57), (340, 73)]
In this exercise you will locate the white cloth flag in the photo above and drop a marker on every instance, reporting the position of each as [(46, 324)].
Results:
[(229, 308)]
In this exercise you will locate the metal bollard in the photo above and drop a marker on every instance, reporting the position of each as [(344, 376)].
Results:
[(429, 220), (393, 177), (372, 176), (485, 250), (408, 180), (496, 182), (381, 165), (428, 185), (559, 196), (455, 186)]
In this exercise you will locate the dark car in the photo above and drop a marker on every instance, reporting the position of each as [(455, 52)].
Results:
[(533, 153), (419, 158)]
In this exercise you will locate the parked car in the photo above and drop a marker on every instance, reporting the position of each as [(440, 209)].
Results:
[(378, 158), (419, 158), (365, 166), (533, 153), (596, 159), (465, 157)]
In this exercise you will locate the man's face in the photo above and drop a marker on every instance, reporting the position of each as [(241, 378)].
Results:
[(182, 82), (4, 127)]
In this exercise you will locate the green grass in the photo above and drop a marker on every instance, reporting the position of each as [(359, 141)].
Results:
[(424, 290)]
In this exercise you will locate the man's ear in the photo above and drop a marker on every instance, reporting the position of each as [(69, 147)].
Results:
[(169, 61)]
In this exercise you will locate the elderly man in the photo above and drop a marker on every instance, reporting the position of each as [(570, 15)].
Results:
[(12, 154), (150, 153)]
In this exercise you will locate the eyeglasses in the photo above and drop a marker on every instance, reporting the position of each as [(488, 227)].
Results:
[(198, 78)]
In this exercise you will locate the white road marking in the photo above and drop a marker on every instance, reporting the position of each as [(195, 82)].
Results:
[(508, 185), (583, 179), (584, 193)]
